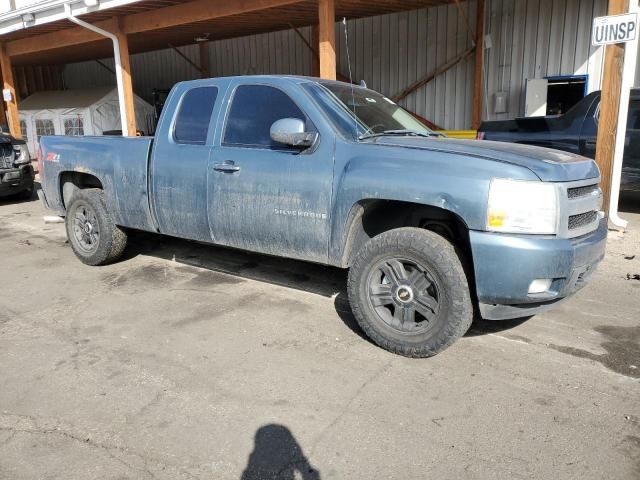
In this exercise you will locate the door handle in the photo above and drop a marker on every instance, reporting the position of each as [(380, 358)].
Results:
[(227, 167)]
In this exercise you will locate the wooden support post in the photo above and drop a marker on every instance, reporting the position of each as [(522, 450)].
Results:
[(3, 114), (8, 84), (478, 80), (205, 69), (609, 106), (129, 102), (327, 38), (315, 57)]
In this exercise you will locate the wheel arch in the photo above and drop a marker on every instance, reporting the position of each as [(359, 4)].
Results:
[(370, 217), (71, 181)]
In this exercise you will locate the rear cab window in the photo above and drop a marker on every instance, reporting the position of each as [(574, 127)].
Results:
[(254, 109), (194, 115)]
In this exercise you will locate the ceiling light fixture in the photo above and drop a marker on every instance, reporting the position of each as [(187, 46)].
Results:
[(28, 18), (202, 38)]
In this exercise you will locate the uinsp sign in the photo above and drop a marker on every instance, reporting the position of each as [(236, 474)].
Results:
[(615, 29)]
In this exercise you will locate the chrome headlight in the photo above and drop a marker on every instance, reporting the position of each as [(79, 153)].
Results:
[(519, 206), (22, 154)]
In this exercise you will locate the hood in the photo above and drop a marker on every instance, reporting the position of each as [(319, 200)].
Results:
[(547, 164)]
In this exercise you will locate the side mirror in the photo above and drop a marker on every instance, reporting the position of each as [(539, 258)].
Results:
[(290, 131)]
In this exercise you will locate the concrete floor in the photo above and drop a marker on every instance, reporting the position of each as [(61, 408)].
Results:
[(190, 362)]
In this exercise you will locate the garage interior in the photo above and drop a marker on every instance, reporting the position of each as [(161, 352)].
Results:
[(421, 53)]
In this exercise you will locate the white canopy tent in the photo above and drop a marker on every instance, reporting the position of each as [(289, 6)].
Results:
[(77, 112)]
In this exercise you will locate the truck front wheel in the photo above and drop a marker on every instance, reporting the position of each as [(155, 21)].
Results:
[(94, 237), (409, 292)]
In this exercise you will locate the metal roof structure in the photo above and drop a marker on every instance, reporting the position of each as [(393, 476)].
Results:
[(155, 24)]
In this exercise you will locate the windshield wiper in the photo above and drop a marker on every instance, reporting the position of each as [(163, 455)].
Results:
[(411, 133)]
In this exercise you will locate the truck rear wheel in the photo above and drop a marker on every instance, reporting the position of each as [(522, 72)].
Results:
[(94, 237), (409, 292)]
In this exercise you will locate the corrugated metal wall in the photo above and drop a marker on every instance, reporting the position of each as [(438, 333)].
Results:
[(276, 52), (530, 39), (391, 52), (159, 69), (536, 39)]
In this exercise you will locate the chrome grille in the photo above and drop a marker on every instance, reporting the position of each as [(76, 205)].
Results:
[(580, 203), (582, 219), (576, 192), (6, 156)]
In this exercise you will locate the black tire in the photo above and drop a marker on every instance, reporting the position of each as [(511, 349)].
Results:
[(416, 309), (102, 241)]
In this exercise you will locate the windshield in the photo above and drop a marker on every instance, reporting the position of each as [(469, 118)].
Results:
[(374, 112)]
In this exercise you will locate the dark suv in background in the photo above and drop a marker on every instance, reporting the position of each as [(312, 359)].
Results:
[(16, 172)]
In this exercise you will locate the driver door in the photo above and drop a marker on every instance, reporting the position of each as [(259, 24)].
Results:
[(269, 197)]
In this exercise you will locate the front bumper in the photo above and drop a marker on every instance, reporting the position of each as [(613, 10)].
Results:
[(16, 180), (505, 266)]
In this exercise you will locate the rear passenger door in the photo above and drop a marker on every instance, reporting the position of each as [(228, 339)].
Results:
[(178, 171), (266, 196)]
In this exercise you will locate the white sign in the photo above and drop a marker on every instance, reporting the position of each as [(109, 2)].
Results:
[(615, 29), (6, 95)]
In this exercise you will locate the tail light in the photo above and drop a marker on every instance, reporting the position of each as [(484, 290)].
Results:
[(39, 158), (480, 136)]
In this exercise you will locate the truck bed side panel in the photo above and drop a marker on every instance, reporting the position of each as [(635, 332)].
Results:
[(119, 163)]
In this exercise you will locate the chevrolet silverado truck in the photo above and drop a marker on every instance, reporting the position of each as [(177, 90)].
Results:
[(16, 173), (575, 131), (432, 230)]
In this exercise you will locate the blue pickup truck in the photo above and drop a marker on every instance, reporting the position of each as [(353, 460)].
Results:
[(432, 230)]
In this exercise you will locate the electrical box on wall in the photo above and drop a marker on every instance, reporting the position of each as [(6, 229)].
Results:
[(536, 97), (500, 105)]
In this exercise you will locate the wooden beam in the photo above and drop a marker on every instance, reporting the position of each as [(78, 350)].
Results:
[(106, 67), (205, 67), (187, 59), (478, 77), (31, 79), (8, 83), (21, 82), (195, 11), (427, 78), (129, 101), (183, 13), (327, 38), (315, 58), (609, 106), (60, 39), (313, 50)]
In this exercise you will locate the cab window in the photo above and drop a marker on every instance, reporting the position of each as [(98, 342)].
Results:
[(254, 109), (194, 115)]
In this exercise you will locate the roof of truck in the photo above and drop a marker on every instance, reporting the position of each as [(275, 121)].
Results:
[(294, 78)]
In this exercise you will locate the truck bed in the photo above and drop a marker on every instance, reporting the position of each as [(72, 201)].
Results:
[(120, 162)]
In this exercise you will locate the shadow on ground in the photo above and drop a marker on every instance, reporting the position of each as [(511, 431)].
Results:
[(277, 455), (15, 199), (314, 278)]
